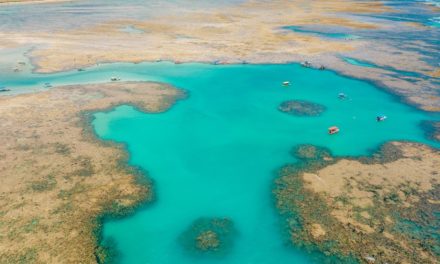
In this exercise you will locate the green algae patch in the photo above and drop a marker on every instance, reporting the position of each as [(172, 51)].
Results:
[(432, 129), (209, 236), (307, 153), (106, 252), (301, 108), (399, 225)]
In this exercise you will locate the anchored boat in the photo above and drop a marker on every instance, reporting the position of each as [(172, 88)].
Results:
[(286, 83), (342, 96), (306, 64), (381, 118), (333, 130)]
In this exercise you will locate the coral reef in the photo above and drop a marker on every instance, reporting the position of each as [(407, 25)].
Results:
[(301, 108), (209, 236), (381, 209)]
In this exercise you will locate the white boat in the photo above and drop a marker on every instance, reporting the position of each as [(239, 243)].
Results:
[(306, 64), (342, 96), (381, 118), (286, 83)]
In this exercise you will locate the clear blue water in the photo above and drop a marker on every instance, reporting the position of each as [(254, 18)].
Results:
[(216, 153)]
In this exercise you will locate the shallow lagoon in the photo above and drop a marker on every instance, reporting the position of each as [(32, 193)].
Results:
[(216, 153)]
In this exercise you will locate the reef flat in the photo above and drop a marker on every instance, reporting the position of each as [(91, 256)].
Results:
[(57, 179), (237, 32), (379, 209)]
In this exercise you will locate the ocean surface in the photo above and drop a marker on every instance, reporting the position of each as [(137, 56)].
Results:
[(216, 153)]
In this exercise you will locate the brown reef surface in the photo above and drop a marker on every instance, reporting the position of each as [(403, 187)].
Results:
[(57, 178), (251, 32), (381, 207)]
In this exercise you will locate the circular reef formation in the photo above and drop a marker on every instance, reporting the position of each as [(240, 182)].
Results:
[(209, 236), (301, 108)]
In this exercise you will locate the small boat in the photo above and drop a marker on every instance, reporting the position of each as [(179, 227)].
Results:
[(115, 79), (381, 118), (47, 85), (342, 96), (333, 130), (306, 64), (286, 83)]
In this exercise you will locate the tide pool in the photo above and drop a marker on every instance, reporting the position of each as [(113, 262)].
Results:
[(216, 153), (331, 35)]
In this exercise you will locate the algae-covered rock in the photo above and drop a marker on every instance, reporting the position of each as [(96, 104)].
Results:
[(432, 130), (310, 152), (209, 236), (208, 240), (301, 108)]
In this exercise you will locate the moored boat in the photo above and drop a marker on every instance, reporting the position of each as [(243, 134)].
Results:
[(342, 96), (333, 130), (306, 64), (381, 118)]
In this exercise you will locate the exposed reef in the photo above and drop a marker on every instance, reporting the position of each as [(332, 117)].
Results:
[(213, 236), (57, 178), (251, 31), (301, 108), (378, 209)]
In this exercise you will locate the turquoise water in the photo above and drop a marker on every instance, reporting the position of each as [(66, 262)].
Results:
[(216, 153)]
